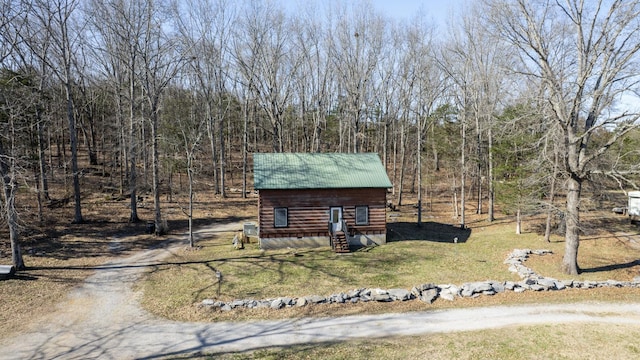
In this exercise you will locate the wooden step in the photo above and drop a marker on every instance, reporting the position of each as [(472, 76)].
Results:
[(340, 243)]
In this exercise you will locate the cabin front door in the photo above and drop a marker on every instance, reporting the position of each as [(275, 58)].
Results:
[(336, 218)]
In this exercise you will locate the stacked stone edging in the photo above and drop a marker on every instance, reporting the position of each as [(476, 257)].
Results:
[(430, 292)]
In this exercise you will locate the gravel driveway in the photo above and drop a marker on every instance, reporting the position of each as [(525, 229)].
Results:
[(102, 319)]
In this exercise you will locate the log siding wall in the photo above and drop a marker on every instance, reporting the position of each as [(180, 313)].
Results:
[(308, 211)]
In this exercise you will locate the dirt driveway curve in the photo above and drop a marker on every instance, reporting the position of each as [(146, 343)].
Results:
[(102, 319)]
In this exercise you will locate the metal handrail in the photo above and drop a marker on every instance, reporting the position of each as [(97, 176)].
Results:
[(345, 228), (331, 235)]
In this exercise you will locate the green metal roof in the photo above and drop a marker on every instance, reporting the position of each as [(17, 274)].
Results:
[(318, 171)]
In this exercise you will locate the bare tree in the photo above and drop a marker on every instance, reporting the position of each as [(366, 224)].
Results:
[(207, 31), (475, 72), (429, 88), (160, 60), (17, 104), (118, 50), (54, 19), (18, 57), (9, 186), (314, 78), (387, 94), (183, 125), (12, 111), (457, 63), (265, 58), (356, 42), (586, 54)]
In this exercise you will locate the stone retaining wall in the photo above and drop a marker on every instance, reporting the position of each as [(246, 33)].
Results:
[(429, 292)]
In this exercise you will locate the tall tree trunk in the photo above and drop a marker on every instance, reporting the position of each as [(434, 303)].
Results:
[(42, 162), (12, 220), (395, 159), (155, 165), (7, 171), (38, 196), (552, 193), (463, 173), (92, 142), (478, 179), (572, 236), (317, 130), (419, 165), (221, 143), (403, 149), (212, 145), (89, 137), (434, 149), (385, 155), (190, 214), (455, 199), (73, 139), (133, 179), (245, 148), (491, 215), (123, 154), (50, 157), (356, 131), (144, 148), (133, 173)]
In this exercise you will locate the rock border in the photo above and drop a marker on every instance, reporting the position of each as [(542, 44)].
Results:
[(430, 292)]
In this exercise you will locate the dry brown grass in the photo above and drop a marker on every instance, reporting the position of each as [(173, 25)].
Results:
[(60, 255), (562, 341)]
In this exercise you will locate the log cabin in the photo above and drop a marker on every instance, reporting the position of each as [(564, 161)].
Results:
[(320, 199)]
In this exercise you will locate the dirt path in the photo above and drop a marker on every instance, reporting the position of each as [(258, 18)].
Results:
[(102, 319)]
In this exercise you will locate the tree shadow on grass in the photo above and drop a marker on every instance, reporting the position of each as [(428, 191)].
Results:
[(260, 261), (110, 238), (183, 224), (22, 277), (611, 267), (427, 231)]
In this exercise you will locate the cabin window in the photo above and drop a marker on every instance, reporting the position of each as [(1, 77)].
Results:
[(362, 215), (280, 217)]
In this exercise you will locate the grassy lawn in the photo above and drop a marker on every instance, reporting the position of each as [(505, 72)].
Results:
[(174, 290), (568, 341), (415, 256)]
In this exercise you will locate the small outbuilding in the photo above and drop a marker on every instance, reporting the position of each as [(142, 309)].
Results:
[(633, 208), (320, 199)]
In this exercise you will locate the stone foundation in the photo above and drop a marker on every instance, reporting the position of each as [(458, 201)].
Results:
[(294, 242), (319, 241)]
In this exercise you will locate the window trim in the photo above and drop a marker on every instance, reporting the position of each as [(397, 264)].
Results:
[(361, 208), (276, 217)]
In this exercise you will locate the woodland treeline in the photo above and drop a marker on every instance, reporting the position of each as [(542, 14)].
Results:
[(515, 102)]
